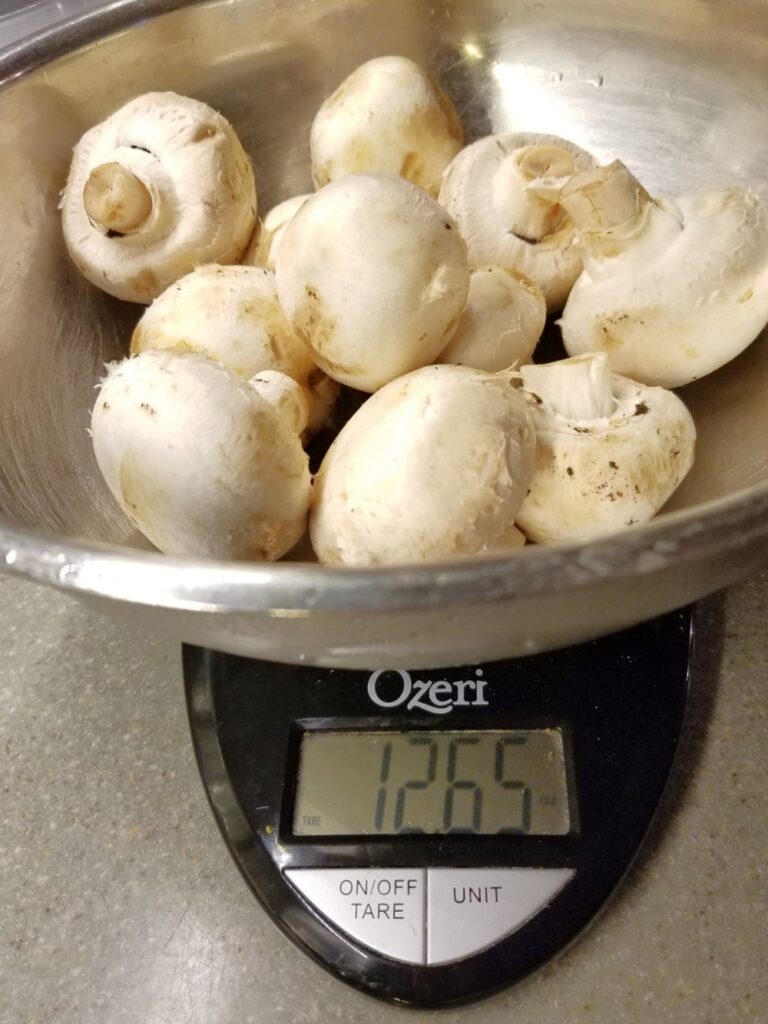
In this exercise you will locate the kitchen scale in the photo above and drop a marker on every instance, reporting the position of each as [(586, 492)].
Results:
[(432, 836)]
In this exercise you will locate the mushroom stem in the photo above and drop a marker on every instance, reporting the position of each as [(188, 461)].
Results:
[(115, 199), (284, 395), (528, 186), (606, 200), (546, 162), (577, 389)]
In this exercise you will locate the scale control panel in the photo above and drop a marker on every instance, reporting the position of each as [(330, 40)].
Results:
[(429, 915)]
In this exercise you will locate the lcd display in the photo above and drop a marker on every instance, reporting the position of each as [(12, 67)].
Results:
[(390, 783)]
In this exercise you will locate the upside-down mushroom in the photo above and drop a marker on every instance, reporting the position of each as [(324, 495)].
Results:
[(503, 192), (609, 451), (372, 274), (387, 117), (232, 315), (159, 187), (201, 462), (671, 290), (434, 465)]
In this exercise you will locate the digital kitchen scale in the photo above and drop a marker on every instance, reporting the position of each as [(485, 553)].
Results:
[(430, 837)]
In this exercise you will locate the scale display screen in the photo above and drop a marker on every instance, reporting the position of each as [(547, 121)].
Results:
[(439, 783)]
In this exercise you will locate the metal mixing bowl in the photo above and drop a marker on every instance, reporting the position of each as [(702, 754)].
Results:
[(679, 92)]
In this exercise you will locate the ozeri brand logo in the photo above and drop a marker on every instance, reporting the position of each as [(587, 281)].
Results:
[(394, 688)]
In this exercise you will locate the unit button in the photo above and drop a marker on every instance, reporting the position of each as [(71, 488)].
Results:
[(469, 910), (381, 908)]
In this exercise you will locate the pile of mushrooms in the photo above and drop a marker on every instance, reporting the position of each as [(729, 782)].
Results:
[(419, 274)]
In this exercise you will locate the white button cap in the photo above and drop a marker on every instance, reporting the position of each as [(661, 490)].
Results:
[(469, 909), (382, 908)]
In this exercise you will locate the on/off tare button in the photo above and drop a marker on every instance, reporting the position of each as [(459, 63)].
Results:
[(383, 908), (469, 909)]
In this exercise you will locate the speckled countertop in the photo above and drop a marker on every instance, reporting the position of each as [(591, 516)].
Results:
[(119, 903)]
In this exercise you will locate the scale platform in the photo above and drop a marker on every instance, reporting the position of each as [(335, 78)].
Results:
[(433, 836)]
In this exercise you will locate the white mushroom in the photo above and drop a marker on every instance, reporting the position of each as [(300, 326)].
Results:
[(670, 291), (388, 117), (159, 187), (501, 323), (609, 451), (372, 274), (284, 395), (198, 460), (262, 252), (489, 189), (232, 315), (434, 465)]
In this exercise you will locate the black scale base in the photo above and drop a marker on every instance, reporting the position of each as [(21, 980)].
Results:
[(618, 702)]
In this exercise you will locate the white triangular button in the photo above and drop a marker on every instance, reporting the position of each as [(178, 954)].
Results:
[(383, 908), (470, 909)]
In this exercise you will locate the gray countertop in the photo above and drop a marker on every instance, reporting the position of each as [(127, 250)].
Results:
[(119, 901)]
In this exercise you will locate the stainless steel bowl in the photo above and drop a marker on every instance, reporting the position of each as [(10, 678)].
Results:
[(679, 92)]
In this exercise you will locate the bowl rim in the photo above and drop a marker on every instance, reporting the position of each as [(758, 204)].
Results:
[(298, 589), (727, 524), (64, 37)]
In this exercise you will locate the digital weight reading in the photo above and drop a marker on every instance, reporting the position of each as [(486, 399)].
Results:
[(394, 783)]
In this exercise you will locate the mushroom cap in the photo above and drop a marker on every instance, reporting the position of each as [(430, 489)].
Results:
[(489, 189), (372, 274), (264, 245), (597, 476), (198, 460), (434, 465), (683, 297), (501, 323), (189, 159), (284, 395), (232, 315), (387, 117)]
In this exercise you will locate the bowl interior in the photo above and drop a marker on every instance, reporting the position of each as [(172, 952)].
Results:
[(680, 96)]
